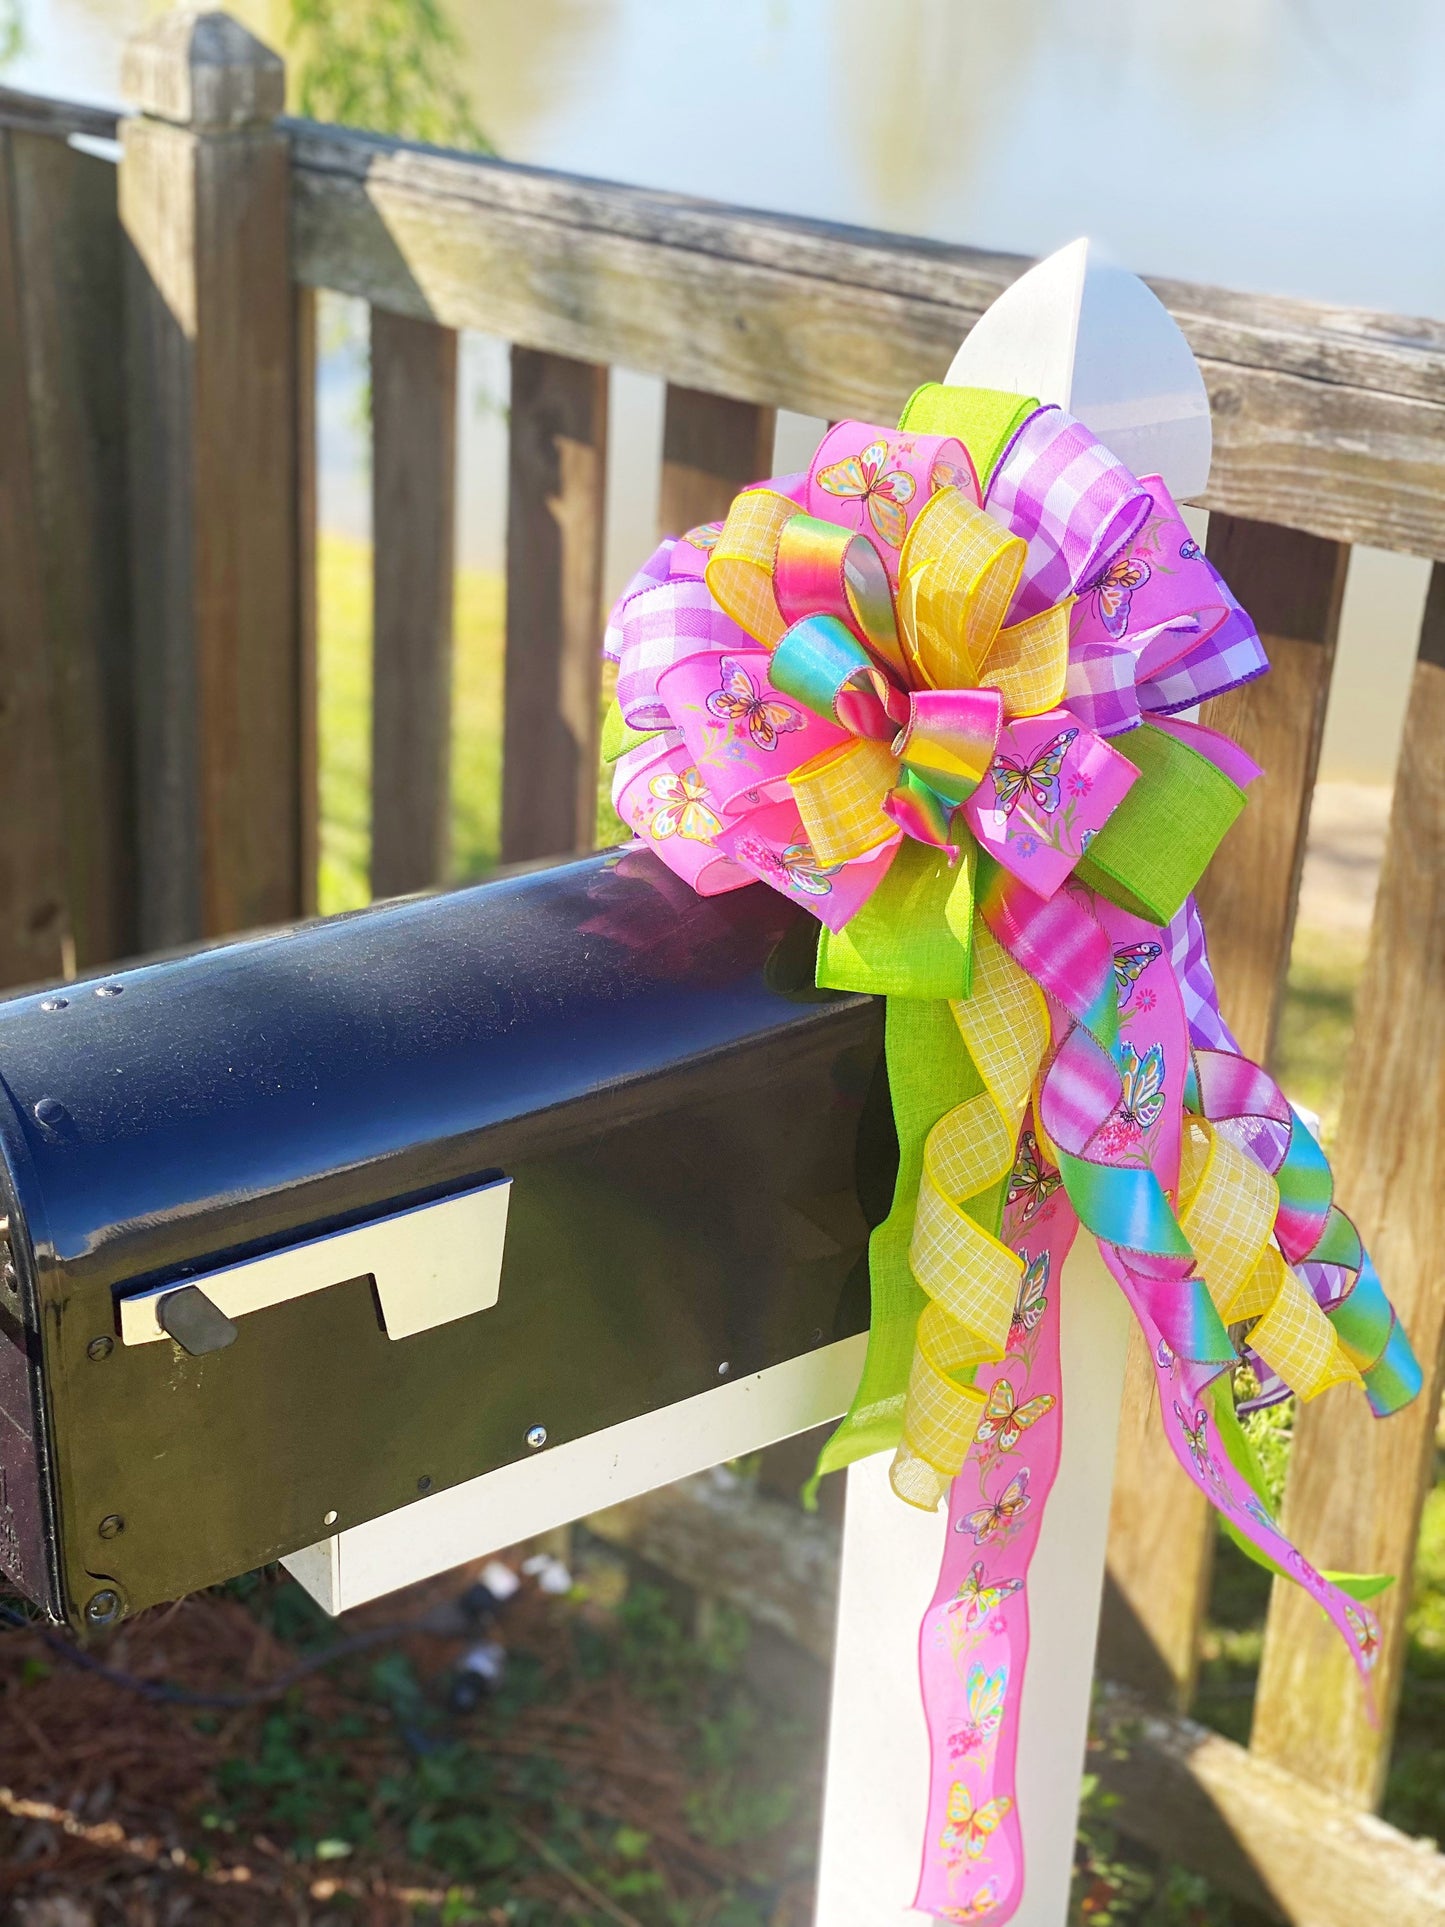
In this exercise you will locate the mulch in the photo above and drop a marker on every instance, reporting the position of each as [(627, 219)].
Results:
[(104, 1790)]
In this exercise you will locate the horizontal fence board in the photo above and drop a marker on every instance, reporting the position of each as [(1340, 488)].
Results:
[(1256, 1831), (1261, 1834), (36, 114), (1324, 421)]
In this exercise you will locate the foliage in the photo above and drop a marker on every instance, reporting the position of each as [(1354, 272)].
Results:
[(390, 66), (12, 31)]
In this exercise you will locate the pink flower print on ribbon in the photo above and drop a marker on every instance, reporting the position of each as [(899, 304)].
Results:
[(744, 736), (1052, 786)]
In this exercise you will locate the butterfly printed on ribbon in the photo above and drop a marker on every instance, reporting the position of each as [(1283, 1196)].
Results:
[(1261, 1514), (1114, 591), (971, 1827), (684, 812), (980, 1598), (1031, 1303), (1131, 960), (1166, 1358), (946, 474), (989, 1521), (1005, 1420), (704, 536), (885, 492), (1143, 1078), (1190, 551), (983, 1902), (985, 1693), (1032, 1181), (1039, 779), (737, 701), (1367, 1634), (1196, 1436), (797, 864)]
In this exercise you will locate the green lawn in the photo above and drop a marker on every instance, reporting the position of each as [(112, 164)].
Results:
[(344, 670)]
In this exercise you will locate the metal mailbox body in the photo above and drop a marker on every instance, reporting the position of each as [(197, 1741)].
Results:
[(683, 1120)]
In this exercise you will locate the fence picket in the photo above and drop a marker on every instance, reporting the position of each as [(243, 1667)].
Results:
[(204, 203), (414, 460), (303, 312), (32, 862), (711, 447), (1356, 1486), (1161, 1541), (556, 499), (68, 237)]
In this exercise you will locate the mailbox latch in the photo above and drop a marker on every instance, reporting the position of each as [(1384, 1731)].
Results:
[(431, 1263)]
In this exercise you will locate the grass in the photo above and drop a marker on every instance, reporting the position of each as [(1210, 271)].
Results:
[(344, 675)]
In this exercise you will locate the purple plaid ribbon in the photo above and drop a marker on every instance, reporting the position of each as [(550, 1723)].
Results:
[(654, 570), (665, 624), (1074, 503), (1233, 655)]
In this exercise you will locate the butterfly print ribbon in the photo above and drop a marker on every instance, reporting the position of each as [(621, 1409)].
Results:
[(928, 689)]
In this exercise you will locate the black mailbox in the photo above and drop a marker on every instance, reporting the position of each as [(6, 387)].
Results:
[(302, 1227)]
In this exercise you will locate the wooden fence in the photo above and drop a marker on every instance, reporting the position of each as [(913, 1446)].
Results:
[(158, 713)]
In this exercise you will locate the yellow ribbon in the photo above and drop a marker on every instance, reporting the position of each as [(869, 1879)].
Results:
[(957, 573), (1227, 1206), (971, 1278)]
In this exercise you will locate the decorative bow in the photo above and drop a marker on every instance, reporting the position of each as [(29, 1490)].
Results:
[(927, 689)]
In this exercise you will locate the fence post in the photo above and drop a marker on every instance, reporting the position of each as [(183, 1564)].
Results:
[(204, 184)]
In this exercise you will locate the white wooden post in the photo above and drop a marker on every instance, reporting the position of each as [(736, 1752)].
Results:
[(1077, 331), (1087, 335)]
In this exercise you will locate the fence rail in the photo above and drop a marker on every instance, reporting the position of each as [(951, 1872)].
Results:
[(157, 657)]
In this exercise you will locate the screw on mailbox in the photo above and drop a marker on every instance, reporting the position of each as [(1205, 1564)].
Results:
[(103, 1608), (99, 1348), (537, 1437), (111, 1526)]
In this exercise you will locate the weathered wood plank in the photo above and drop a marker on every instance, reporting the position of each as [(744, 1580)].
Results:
[(1391, 353), (213, 484), (1356, 1484), (68, 233), (557, 469), (711, 447), (1323, 421), (1258, 1832), (304, 319), (413, 487), (1271, 1839), (1161, 1535), (32, 862), (59, 119), (1292, 585), (1161, 1553)]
